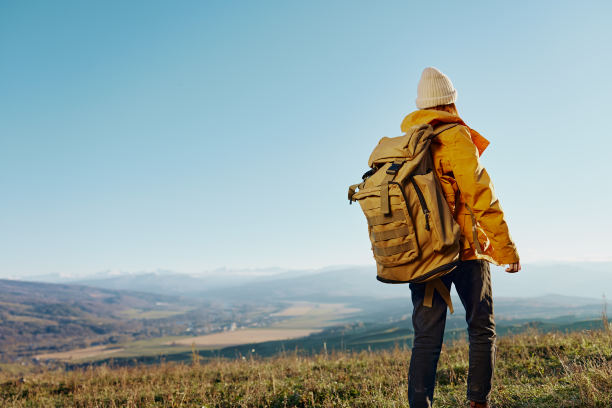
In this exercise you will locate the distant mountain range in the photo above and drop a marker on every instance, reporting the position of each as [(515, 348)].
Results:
[(584, 279), (538, 291)]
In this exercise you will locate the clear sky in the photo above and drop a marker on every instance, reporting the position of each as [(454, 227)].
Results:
[(194, 135)]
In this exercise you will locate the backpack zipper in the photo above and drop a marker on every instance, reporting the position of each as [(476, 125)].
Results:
[(403, 195), (422, 201)]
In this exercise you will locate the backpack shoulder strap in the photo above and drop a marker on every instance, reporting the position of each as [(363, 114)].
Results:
[(443, 128)]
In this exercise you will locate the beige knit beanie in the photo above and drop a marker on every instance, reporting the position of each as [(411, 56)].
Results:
[(434, 89)]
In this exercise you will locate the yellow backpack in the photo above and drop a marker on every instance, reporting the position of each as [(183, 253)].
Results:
[(413, 234)]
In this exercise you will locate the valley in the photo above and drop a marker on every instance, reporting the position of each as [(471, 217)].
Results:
[(78, 324)]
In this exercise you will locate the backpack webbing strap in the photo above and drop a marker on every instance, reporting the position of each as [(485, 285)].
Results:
[(384, 194), (438, 285), (353, 189), (474, 230), (390, 234), (384, 186), (393, 250), (386, 219)]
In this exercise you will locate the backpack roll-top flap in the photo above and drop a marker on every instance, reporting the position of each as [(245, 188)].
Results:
[(401, 147)]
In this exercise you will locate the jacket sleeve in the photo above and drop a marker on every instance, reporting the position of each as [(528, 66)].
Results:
[(478, 193)]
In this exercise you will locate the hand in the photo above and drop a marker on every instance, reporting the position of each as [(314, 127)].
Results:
[(514, 267)]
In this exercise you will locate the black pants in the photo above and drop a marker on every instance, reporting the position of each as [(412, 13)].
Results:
[(472, 280)]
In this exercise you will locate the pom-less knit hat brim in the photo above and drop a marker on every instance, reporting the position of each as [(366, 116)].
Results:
[(425, 103), (435, 89)]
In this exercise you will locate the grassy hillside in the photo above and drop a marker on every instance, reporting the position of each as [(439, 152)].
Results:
[(40, 318), (533, 370)]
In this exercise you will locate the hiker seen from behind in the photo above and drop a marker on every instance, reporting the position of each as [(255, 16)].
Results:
[(434, 221)]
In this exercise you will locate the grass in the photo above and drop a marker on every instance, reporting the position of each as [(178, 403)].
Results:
[(533, 370)]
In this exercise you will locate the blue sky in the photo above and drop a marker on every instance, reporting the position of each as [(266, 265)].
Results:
[(194, 135)]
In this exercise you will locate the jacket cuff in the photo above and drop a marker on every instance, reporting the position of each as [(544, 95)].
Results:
[(507, 255)]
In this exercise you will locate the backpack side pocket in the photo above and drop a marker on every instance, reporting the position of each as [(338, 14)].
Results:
[(444, 229)]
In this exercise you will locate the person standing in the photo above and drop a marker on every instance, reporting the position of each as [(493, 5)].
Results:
[(485, 239)]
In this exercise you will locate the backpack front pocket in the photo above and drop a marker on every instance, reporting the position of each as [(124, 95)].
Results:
[(392, 235)]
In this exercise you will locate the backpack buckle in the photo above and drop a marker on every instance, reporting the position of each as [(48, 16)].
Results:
[(368, 174), (394, 168)]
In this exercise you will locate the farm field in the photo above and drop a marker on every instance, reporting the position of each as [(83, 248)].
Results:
[(243, 336), (78, 354), (301, 319)]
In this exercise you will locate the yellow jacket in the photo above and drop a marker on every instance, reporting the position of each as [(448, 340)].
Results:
[(467, 185)]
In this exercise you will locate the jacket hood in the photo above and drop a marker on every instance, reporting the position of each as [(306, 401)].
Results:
[(434, 117)]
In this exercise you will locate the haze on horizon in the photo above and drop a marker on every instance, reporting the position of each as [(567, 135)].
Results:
[(197, 135)]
